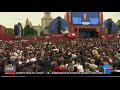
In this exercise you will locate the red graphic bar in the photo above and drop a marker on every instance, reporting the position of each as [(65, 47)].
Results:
[(12, 73), (108, 68)]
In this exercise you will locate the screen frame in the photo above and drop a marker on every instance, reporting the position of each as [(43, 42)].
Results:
[(85, 25)]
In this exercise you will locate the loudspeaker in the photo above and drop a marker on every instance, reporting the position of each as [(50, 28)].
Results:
[(110, 28), (16, 30)]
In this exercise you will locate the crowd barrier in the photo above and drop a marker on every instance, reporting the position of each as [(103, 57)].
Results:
[(7, 37), (47, 37)]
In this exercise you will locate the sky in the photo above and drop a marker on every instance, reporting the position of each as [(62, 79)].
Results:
[(9, 19)]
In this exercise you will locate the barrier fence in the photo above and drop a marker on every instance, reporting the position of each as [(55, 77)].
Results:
[(7, 37), (48, 37)]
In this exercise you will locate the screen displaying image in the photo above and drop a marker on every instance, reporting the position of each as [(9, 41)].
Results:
[(85, 18)]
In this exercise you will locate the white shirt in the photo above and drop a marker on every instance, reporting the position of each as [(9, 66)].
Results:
[(13, 57), (93, 66), (28, 61), (18, 51), (79, 67), (15, 54), (33, 59), (66, 65), (20, 63), (74, 56)]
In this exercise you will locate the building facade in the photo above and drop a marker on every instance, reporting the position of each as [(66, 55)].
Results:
[(28, 22), (37, 28), (46, 20)]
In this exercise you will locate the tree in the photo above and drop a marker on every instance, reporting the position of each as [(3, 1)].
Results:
[(26, 30), (9, 31), (33, 31), (29, 31), (45, 30), (118, 23)]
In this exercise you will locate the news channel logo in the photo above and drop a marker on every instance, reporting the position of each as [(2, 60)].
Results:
[(10, 69), (107, 69)]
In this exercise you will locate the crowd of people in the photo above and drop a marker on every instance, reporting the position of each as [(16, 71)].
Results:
[(67, 55)]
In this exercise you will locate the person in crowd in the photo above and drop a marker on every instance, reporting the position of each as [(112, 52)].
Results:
[(79, 66), (87, 68), (61, 55), (93, 66)]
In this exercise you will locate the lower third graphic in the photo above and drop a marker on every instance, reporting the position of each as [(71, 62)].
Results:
[(10, 69)]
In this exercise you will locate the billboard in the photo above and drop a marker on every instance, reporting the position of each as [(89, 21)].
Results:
[(85, 18)]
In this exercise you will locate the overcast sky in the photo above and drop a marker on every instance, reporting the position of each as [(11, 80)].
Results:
[(8, 19)]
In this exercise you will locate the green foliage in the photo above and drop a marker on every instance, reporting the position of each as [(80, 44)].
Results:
[(9, 30), (26, 30), (45, 30), (33, 31), (66, 28), (118, 23), (29, 31)]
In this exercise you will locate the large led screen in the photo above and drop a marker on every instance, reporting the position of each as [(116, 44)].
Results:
[(85, 18)]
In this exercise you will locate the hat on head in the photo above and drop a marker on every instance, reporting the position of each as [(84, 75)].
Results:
[(105, 59)]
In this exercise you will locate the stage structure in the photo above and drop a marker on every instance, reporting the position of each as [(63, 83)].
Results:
[(85, 24), (110, 27)]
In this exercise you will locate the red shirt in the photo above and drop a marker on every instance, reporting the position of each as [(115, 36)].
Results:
[(57, 69)]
